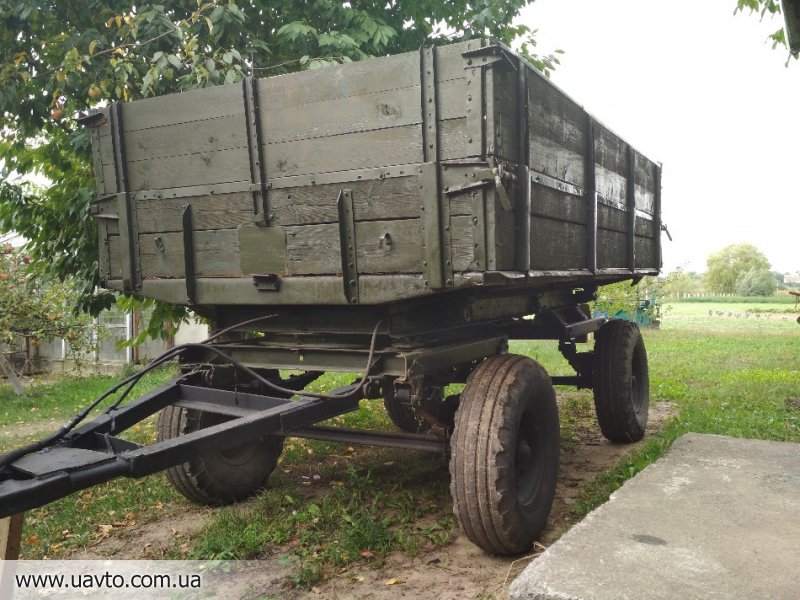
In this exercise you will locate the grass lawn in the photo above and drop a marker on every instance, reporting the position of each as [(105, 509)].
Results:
[(327, 503)]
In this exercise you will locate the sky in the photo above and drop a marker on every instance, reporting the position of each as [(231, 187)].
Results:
[(702, 91)]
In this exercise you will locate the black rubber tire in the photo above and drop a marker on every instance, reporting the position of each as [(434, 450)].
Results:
[(621, 381), (403, 415), (504, 454), (221, 477)]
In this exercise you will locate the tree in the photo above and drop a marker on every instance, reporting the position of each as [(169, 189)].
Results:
[(764, 8), (756, 282), (33, 308), (58, 57), (727, 266)]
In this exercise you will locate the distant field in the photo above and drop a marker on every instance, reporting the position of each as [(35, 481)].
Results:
[(722, 316), (780, 298)]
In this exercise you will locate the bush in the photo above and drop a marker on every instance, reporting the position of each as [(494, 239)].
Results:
[(756, 282)]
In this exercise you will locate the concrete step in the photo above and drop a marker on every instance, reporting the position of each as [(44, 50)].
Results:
[(715, 518)]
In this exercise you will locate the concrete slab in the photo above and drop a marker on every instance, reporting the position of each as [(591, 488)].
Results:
[(715, 518)]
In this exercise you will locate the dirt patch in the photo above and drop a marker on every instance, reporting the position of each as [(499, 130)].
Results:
[(459, 570), (153, 540)]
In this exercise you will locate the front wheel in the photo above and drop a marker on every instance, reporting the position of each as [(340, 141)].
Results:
[(621, 381), (505, 450)]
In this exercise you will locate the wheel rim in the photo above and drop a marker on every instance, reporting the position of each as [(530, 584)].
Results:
[(238, 455), (527, 469)]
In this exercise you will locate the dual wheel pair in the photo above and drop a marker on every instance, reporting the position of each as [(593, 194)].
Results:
[(504, 449)]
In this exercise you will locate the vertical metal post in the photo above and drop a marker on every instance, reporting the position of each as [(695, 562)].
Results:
[(657, 213), (590, 193), (258, 168), (129, 246), (630, 188), (437, 262), (523, 204), (188, 254)]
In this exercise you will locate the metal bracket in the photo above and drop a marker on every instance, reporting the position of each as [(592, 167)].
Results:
[(486, 56), (188, 253), (267, 283), (347, 240)]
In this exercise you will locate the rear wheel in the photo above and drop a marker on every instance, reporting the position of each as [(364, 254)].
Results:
[(505, 449), (621, 381), (402, 413), (223, 476)]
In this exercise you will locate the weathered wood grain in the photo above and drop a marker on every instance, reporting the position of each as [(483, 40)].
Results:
[(340, 81), (557, 245), (389, 246), (505, 82), (114, 257), (210, 167), (462, 241), (645, 252), (183, 138), (314, 249), (553, 204), (454, 142), (554, 160), (389, 198), (612, 249), (216, 254), (338, 116), (185, 107), (611, 185), (222, 211), (376, 148)]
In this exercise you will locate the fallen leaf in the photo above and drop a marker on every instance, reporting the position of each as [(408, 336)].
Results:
[(367, 553), (32, 539), (393, 581)]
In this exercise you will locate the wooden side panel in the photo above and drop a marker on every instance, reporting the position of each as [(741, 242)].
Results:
[(612, 165), (645, 178), (612, 249), (557, 245), (203, 168), (223, 211), (505, 103), (557, 130), (361, 150), (114, 257), (337, 116), (314, 249), (462, 240), (216, 254), (390, 198), (341, 81)]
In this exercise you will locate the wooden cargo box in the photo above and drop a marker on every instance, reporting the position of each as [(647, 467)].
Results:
[(370, 182)]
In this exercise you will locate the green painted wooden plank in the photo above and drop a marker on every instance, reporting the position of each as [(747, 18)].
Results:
[(388, 198), (185, 107), (377, 148), (220, 211), (216, 254), (210, 167), (338, 116), (340, 81), (179, 139)]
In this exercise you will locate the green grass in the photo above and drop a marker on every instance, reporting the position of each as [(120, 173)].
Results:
[(779, 298), (56, 399), (731, 381), (78, 520)]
